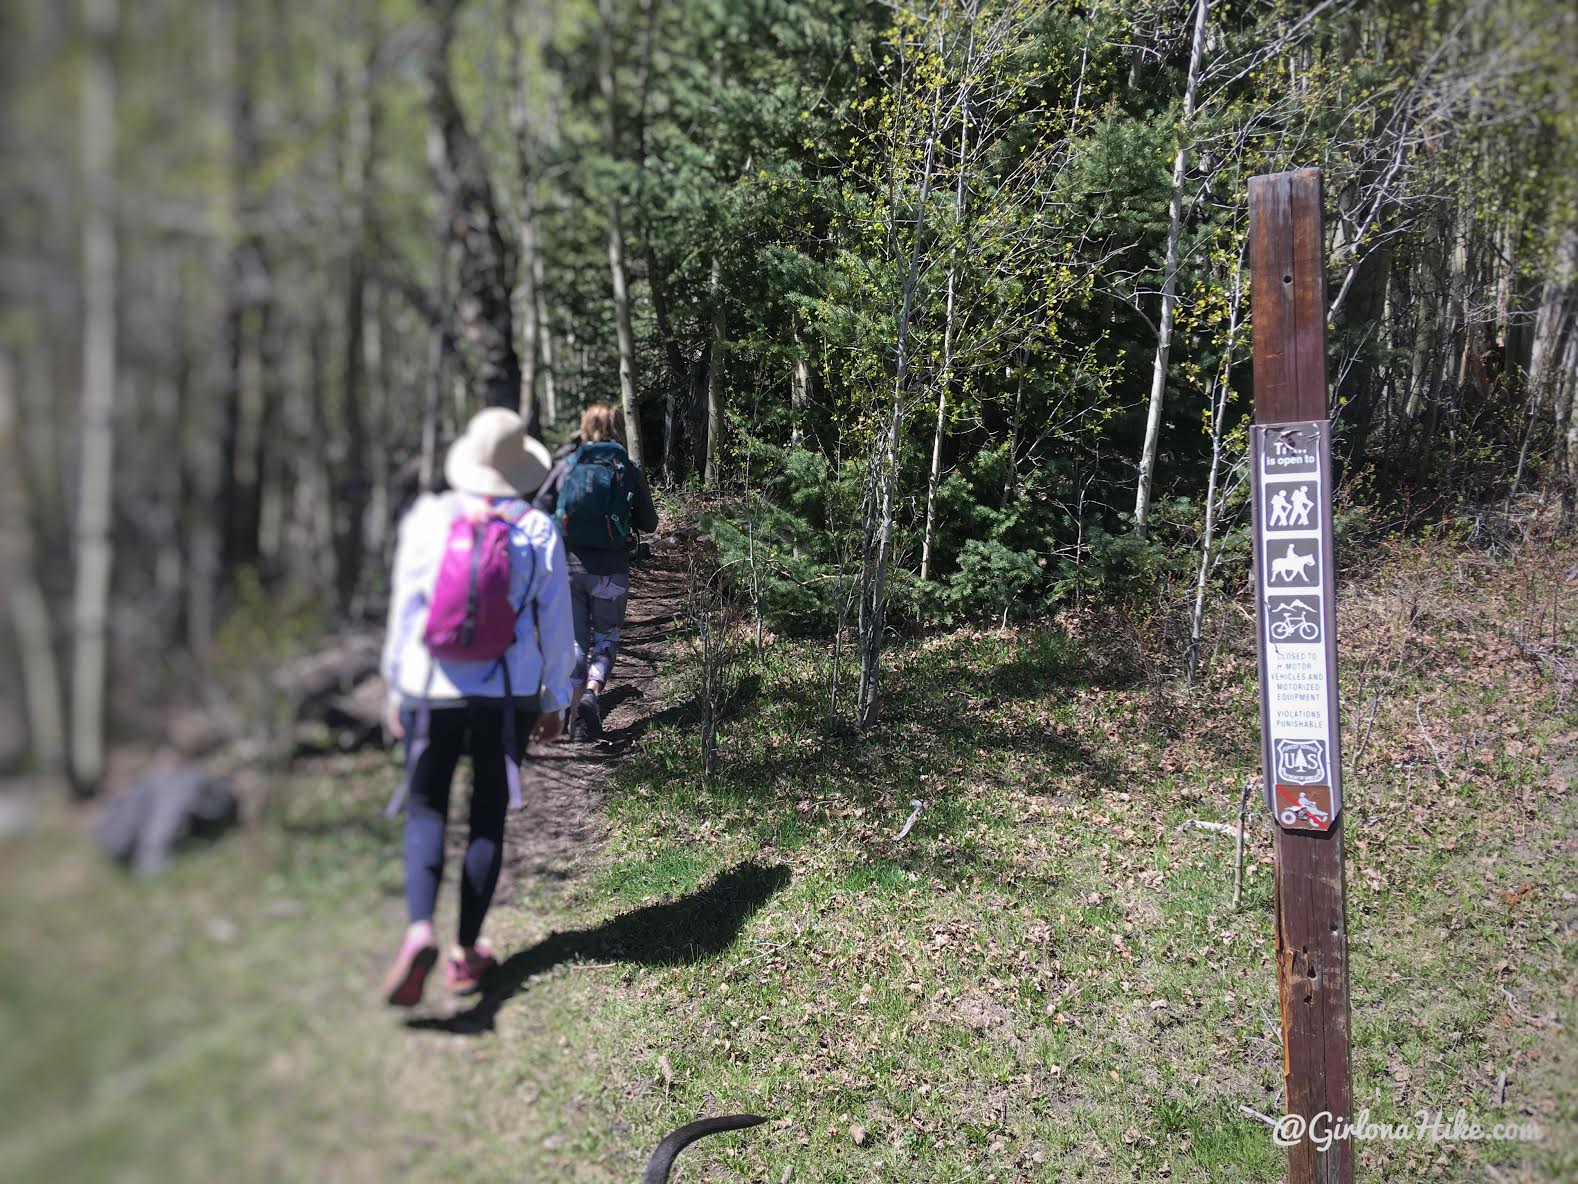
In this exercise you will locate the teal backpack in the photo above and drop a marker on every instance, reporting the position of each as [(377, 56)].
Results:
[(594, 501)]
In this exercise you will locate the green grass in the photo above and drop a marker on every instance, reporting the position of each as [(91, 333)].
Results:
[(1044, 980)]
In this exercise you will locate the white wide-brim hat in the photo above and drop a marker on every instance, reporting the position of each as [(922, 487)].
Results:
[(496, 458)]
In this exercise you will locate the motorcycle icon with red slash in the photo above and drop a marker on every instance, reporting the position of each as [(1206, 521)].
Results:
[(1303, 811)]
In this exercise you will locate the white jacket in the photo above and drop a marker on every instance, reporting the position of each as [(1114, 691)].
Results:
[(542, 659)]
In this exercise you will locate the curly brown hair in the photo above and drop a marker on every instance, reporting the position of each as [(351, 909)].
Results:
[(602, 421)]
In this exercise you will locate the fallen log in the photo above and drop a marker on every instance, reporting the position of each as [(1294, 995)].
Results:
[(349, 661), (329, 698)]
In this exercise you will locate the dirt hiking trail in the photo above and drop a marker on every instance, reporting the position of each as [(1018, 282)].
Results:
[(564, 784)]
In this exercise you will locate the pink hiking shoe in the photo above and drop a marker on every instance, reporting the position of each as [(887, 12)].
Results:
[(465, 970), (406, 978)]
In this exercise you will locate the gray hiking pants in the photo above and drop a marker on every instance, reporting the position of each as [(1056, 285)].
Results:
[(598, 605)]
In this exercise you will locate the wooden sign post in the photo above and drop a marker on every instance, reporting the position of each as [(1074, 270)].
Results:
[(1291, 459)]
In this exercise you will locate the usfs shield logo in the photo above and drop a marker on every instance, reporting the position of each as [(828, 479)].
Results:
[(1301, 762)]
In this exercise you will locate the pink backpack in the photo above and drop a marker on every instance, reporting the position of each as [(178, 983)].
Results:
[(469, 617)]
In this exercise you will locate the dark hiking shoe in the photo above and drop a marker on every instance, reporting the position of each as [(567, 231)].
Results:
[(588, 724)]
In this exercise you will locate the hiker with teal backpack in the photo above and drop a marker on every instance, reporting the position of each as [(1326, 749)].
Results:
[(479, 657), (599, 499)]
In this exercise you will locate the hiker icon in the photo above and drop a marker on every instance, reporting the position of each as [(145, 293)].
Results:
[(1291, 511), (1302, 505)]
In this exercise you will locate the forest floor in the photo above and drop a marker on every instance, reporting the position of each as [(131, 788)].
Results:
[(1043, 980)]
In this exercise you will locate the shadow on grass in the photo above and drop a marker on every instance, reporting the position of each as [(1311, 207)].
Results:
[(618, 741), (944, 708), (673, 933)]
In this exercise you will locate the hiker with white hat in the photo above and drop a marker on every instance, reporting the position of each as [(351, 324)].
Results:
[(480, 653)]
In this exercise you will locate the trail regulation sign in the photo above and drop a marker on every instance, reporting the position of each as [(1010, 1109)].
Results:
[(1297, 622)]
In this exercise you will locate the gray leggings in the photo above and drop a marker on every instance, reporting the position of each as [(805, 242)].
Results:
[(598, 605)]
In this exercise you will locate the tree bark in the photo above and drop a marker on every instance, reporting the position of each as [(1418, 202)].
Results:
[(438, 363), (1363, 312), (244, 406), (380, 346), (878, 548), (213, 445), (317, 506), (616, 239), (528, 301), (352, 486), (550, 382), (23, 592), (485, 273), (171, 397), (799, 389), (95, 488), (1011, 473), (1224, 394), (1566, 396), (1153, 420), (657, 280), (715, 377), (946, 378)]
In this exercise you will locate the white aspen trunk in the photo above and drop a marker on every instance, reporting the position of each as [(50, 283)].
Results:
[(1425, 355), (40, 436), (946, 378), (95, 488), (1566, 391), (720, 328), (376, 526), (1556, 306), (550, 386), (626, 335), (531, 311), (1011, 477), (572, 385), (616, 243), (1079, 86), (530, 269), (799, 388), (1153, 420), (22, 591), (1218, 423), (1558, 379), (879, 551), (935, 477)]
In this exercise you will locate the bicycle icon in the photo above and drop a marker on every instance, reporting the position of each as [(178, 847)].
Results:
[(1295, 619), (1306, 629)]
